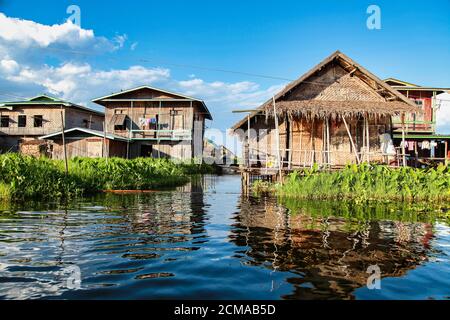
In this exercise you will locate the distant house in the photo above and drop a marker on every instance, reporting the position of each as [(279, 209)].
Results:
[(335, 114), (23, 122), (218, 154), (156, 122), (83, 142), (423, 143)]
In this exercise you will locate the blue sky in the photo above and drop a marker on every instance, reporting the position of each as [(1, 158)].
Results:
[(161, 43)]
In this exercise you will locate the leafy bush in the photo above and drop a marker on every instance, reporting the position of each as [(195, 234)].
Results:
[(369, 182)]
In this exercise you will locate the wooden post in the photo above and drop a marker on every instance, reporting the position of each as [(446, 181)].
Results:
[(301, 140), (158, 127), (328, 142), (248, 139), (363, 152), (291, 142), (130, 134), (368, 137), (64, 142), (416, 154), (277, 139), (351, 141), (403, 140), (446, 151), (313, 140)]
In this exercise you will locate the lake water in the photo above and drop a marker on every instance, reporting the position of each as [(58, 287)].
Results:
[(207, 241)]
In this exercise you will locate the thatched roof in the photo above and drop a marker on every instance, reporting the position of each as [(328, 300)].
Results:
[(337, 87)]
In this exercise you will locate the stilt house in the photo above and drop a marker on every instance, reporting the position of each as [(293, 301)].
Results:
[(335, 114)]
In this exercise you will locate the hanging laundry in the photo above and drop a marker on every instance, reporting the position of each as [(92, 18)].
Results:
[(426, 145), (386, 144), (410, 145), (142, 121)]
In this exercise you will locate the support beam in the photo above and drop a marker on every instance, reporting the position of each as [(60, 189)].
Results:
[(351, 141)]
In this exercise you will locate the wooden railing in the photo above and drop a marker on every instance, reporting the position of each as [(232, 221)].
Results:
[(294, 159)]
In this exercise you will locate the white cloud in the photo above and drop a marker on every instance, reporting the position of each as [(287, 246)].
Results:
[(9, 66), (30, 42)]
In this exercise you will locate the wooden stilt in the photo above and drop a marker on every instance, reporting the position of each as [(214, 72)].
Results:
[(277, 131), (351, 141)]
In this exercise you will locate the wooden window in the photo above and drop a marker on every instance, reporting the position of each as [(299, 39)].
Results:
[(87, 123), (38, 121), (22, 121), (4, 121), (420, 103)]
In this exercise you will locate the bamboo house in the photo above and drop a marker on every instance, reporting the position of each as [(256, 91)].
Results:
[(335, 114)]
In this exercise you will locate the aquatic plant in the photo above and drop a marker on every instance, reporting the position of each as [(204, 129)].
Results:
[(369, 182), (24, 177)]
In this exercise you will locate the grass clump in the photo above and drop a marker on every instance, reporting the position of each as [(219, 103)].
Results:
[(24, 177), (369, 182)]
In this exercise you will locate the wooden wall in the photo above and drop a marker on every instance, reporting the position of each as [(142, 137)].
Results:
[(302, 140), (51, 119)]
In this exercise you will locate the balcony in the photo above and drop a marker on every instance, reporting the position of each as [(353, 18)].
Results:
[(415, 126), (162, 135)]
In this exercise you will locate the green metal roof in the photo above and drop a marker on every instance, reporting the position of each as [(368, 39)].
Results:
[(97, 133), (45, 99)]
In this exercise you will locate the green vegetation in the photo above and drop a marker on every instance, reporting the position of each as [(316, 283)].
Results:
[(366, 182), (23, 177)]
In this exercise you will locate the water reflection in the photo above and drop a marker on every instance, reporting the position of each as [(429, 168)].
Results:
[(328, 247), (206, 241)]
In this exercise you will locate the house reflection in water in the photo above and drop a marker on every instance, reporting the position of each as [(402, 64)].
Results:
[(177, 217), (328, 255)]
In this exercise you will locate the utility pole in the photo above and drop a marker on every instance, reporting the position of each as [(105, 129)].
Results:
[(64, 142), (105, 147)]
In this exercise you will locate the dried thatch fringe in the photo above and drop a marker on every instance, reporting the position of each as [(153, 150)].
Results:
[(338, 109)]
